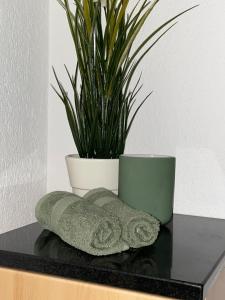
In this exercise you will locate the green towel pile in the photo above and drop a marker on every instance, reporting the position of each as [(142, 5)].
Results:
[(99, 224)]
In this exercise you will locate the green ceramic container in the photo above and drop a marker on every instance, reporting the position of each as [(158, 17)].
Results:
[(147, 183)]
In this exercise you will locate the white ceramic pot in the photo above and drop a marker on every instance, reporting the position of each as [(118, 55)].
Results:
[(86, 174)]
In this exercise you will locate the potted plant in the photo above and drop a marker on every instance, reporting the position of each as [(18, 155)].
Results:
[(104, 106)]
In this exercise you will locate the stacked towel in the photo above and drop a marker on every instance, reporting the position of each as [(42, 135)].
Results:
[(44, 208), (139, 229), (81, 224), (99, 224)]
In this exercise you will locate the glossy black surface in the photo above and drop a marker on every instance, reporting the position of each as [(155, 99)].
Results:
[(181, 264)]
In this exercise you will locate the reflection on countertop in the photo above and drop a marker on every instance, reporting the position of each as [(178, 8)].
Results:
[(155, 260), (181, 264)]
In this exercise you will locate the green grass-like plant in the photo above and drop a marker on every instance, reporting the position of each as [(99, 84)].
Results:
[(104, 105)]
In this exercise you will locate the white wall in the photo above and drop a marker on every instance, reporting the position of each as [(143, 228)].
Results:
[(184, 117), (23, 109), (60, 142)]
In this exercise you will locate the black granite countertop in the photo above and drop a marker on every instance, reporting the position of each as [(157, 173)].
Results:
[(181, 264)]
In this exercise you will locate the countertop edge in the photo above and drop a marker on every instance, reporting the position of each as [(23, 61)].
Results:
[(132, 282)]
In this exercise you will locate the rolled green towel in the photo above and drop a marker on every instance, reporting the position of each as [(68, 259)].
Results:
[(45, 205), (139, 228), (80, 223)]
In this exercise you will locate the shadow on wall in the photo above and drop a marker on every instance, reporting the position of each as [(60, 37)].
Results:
[(21, 186), (17, 204)]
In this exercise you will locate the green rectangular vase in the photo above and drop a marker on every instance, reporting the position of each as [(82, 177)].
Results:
[(146, 182)]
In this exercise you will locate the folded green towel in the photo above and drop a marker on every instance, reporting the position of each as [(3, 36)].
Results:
[(80, 223), (139, 228)]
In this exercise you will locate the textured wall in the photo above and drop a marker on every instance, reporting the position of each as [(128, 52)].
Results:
[(23, 109), (185, 115)]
